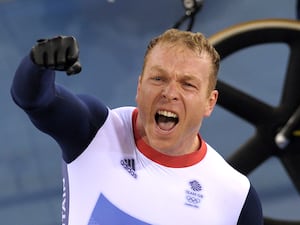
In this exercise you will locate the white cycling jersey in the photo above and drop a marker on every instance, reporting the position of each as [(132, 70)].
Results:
[(120, 180)]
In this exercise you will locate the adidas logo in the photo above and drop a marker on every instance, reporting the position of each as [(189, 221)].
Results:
[(129, 165)]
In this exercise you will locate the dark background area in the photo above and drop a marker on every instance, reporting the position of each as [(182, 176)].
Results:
[(113, 36)]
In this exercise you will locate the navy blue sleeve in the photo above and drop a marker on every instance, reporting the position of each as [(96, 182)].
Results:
[(251, 213), (72, 120)]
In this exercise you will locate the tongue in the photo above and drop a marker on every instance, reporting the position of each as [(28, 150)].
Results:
[(166, 126)]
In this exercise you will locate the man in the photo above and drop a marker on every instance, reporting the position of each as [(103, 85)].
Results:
[(145, 164)]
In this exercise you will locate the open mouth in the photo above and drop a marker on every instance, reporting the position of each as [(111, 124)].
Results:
[(166, 120)]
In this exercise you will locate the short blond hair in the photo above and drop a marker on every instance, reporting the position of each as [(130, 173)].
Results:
[(197, 42)]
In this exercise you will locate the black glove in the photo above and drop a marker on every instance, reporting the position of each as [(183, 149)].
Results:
[(58, 53)]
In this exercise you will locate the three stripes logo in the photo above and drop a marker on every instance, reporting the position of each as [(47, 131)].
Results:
[(129, 165)]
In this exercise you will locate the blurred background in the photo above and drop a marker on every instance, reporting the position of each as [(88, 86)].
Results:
[(113, 36)]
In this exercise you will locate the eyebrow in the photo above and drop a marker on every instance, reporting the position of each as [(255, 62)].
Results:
[(157, 68)]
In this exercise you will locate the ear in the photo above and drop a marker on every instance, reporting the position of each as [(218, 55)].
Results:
[(138, 87), (211, 102)]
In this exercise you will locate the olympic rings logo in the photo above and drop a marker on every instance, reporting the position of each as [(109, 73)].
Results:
[(192, 200)]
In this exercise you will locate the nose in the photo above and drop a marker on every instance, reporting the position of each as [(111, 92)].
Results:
[(170, 91)]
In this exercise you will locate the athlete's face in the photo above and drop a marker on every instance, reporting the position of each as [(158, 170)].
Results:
[(173, 97)]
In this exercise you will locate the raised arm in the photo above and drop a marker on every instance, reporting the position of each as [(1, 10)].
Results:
[(72, 120)]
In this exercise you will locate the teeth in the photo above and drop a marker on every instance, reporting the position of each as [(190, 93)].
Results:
[(167, 113)]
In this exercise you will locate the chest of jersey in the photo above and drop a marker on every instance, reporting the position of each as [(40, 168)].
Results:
[(113, 183)]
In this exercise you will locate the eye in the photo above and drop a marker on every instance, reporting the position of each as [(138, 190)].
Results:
[(189, 85), (157, 78)]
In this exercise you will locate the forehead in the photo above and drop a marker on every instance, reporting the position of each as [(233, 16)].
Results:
[(179, 58)]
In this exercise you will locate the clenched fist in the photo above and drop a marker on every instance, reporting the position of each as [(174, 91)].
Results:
[(59, 53)]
